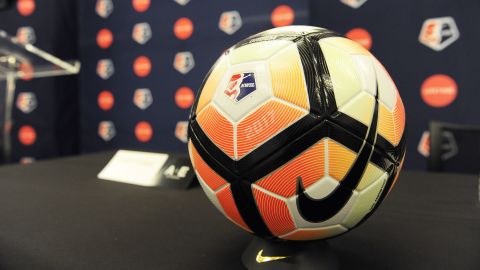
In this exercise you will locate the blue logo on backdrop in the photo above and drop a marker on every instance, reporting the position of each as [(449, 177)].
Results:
[(240, 86)]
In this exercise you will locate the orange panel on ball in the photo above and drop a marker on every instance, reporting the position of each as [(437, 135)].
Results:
[(264, 123), (391, 124), (310, 165), (385, 123), (399, 119), (227, 202), (288, 82), (340, 159), (309, 234), (274, 212), (217, 128), (209, 176)]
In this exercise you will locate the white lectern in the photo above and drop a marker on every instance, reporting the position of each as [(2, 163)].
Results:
[(23, 61)]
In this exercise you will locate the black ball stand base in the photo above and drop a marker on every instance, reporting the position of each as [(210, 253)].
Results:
[(264, 254)]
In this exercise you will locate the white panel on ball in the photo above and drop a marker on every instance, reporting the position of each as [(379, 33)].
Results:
[(387, 90), (367, 199)]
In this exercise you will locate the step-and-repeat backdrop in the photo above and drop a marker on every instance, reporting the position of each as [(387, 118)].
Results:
[(144, 60), (45, 114)]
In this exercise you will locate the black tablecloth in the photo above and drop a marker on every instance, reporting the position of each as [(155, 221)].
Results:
[(58, 215)]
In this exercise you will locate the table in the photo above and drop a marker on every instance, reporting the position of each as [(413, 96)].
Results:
[(57, 215)]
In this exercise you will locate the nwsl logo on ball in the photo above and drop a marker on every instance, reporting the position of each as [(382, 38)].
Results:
[(240, 86)]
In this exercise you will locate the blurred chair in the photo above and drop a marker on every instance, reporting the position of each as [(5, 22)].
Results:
[(454, 148)]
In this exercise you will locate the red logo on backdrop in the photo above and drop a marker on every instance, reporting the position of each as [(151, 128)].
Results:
[(106, 130), (181, 131), (104, 38), (230, 22), (27, 71), (142, 33), (27, 135), (106, 100), (26, 35), (282, 15), (142, 98), (439, 90), (104, 8), (26, 7), (424, 145), (184, 62), (183, 28), (26, 102), (142, 66), (105, 68), (141, 5), (143, 131), (361, 36), (439, 33), (184, 97)]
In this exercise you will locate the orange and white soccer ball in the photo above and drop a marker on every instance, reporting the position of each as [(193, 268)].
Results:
[(297, 133)]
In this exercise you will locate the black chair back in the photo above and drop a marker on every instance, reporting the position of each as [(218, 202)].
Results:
[(454, 148)]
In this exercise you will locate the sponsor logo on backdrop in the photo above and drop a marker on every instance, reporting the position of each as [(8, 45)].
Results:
[(104, 38), (26, 35), (143, 131), (105, 68), (141, 5), (26, 102), (182, 2), (282, 15), (439, 90), (438, 33), (106, 130), (183, 28), (142, 98), (106, 100), (184, 62), (184, 97), (142, 33), (142, 66), (27, 160), (354, 3), (181, 131), (104, 8), (240, 86), (424, 145), (361, 36), (230, 22), (27, 135), (26, 7)]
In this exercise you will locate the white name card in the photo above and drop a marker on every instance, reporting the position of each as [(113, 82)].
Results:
[(134, 167)]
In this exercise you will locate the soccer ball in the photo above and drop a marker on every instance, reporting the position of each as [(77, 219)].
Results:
[(297, 133)]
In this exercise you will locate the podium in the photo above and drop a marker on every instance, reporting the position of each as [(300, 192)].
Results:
[(23, 61)]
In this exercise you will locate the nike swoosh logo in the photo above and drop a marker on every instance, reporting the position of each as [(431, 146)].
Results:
[(264, 259), (318, 210)]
